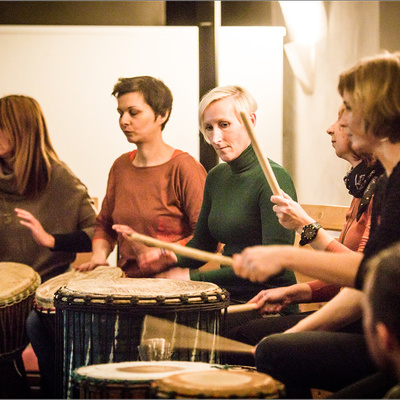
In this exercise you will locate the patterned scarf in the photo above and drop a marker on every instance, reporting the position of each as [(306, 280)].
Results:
[(361, 183)]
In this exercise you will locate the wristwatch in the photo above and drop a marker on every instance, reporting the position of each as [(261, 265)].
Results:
[(309, 232)]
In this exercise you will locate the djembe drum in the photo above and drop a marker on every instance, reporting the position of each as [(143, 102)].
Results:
[(100, 321), (223, 383), (128, 380), (17, 288), (44, 296)]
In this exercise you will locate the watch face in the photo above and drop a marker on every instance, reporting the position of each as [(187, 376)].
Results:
[(310, 232)]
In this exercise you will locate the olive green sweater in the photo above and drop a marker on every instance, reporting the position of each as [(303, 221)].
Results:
[(64, 206), (237, 211)]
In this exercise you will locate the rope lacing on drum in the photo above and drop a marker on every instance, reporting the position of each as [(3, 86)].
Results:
[(220, 296), (109, 299), (160, 299), (87, 299), (204, 297), (134, 300), (184, 298)]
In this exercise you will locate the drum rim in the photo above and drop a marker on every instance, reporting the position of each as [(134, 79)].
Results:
[(43, 310), (210, 297)]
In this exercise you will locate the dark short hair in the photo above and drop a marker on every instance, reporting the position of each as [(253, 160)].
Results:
[(156, 94), (384, 290)]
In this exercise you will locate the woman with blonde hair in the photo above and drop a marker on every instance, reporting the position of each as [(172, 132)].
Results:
[(236, 209), (361, 182)]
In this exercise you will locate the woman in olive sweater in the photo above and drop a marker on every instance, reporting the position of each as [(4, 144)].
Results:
[(236, 209)]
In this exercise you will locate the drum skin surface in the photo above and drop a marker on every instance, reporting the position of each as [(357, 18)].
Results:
[(44, 296), (18, 284), (219, 384), (18, 281)]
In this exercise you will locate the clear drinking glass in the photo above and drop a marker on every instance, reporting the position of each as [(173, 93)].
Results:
[(157, 349)]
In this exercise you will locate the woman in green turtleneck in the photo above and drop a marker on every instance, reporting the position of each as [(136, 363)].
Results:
[(236, 209)]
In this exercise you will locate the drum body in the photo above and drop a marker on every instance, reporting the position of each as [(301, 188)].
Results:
[(100, 321), (127, 380), (44, 296), (17, 288), (223, 383)]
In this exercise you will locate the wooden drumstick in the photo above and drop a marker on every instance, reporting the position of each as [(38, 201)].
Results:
[(236, 308), (182, 250), (266, 166)]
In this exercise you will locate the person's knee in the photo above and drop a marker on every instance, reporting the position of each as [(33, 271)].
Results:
[(268, 353)]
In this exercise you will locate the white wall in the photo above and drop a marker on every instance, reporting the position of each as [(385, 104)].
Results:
[(253, 57), (353, 32), (71, 71)]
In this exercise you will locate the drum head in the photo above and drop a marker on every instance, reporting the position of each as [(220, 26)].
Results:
[(220, 384), (137, 371), (44, 295), (141, 287), (18, 281)]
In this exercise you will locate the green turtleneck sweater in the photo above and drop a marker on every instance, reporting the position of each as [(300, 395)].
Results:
[(237, 211)]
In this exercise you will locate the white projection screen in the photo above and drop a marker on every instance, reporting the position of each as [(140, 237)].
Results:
[(71, 71)]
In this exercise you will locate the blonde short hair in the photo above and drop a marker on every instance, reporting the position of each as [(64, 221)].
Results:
[(243, 100), (373, 84)]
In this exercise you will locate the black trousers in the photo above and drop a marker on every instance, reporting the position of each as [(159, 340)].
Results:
[(322, 360), (13, 380)]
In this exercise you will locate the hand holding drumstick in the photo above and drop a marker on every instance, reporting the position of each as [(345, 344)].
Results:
[(151, 260), (205, 256), (173, 248)]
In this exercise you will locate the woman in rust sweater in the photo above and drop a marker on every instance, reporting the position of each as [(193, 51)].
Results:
[(155, 189)]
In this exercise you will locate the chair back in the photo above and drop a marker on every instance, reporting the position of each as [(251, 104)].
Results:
[(332, 219)]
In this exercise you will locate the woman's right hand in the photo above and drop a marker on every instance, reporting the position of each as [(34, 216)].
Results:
[(154, 260), (272, 301), (151, 260), (96, 261), (290, 213)]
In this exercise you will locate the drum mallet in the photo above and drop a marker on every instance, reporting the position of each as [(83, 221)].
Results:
[(182, 250), (266, 166)]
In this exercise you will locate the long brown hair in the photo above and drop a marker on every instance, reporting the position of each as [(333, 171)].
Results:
[(23, 123)]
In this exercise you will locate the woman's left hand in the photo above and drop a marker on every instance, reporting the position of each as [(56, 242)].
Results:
[(40, 236)]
